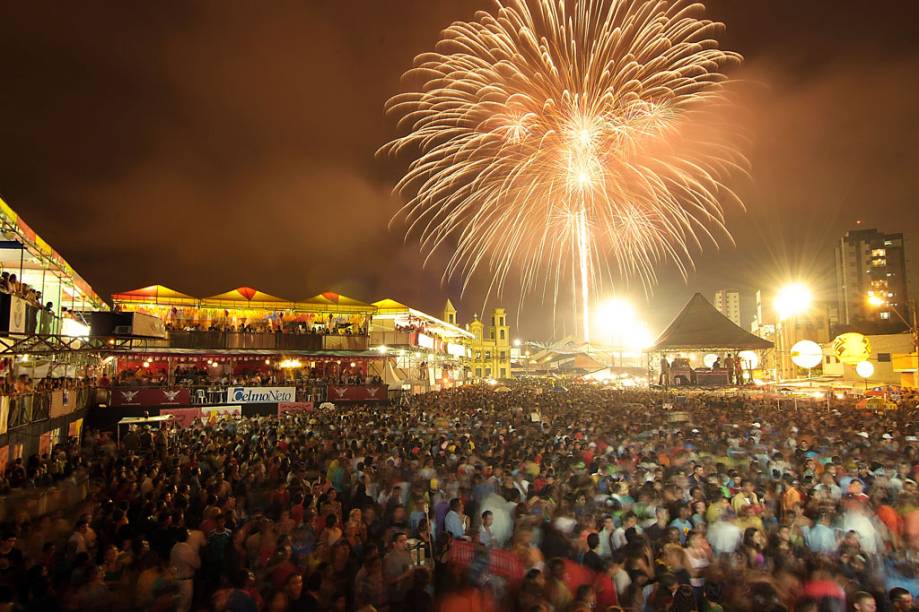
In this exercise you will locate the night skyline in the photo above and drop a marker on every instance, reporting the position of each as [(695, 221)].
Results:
[(221, 145)]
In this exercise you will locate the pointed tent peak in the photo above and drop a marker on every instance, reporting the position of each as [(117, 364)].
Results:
[(154, 294), (700, 326), (390, 305), (246, 297), (329, 301), (245, 294)]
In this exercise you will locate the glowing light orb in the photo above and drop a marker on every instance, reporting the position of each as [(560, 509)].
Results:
[(749, 359), (806, 354), (865, 369)]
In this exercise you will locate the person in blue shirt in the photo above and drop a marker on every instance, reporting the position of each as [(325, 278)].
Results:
[(821, 538), (454, 521), (682, 522)]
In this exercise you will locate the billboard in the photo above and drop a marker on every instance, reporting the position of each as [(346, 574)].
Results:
[(261, 395)]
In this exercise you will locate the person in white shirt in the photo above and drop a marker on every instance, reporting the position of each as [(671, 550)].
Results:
[(606, 535), (77, 541), (486, 538), (724, 536), (629, 520), (185, 562)]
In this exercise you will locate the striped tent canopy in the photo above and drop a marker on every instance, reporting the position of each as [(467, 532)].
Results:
[(155, 294)]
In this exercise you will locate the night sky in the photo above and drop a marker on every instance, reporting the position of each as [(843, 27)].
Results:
[(209, 145)]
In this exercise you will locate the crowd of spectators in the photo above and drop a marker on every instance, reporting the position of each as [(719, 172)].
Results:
[(202, 377), (274, 323), (11, 385), (41, 470), (9, 283), (533, 499)]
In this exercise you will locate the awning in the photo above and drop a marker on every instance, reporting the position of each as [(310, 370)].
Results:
[(146, 420)]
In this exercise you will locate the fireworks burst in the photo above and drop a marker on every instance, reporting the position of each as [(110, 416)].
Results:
[(576, 137)]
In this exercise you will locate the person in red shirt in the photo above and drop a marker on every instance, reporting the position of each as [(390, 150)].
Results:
[(297, 510), (604, 587)]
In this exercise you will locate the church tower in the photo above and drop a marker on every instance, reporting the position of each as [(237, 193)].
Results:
[(450, 313)]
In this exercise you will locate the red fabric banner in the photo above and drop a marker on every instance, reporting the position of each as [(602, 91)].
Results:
[(501, 562), (356, 393), (150, 397), (294, 407)]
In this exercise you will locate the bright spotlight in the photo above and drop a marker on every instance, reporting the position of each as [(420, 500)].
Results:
[(875, 300), (615, 314), (792, 300)]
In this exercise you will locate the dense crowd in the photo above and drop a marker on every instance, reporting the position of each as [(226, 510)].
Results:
[(203, 377), (533, 499)]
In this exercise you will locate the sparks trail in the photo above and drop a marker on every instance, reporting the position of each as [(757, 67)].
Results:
[(570, 128)]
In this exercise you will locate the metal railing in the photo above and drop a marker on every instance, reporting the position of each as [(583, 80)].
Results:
[(261, 341), (28, 408), (62, 496), (393, 338)]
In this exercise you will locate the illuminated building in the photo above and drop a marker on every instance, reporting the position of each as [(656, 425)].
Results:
[(869, 261), (727, 302), (490, 347)]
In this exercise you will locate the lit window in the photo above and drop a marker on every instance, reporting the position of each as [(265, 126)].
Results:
[(885, 315)]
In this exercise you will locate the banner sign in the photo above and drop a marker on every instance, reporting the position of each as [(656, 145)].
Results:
[(73, 430), (147, 326), (4, 414), (357, 393), (183, 417), (58, 405), (211, 414), (294, 407), (261, 395), (17, 314), (150, 397)]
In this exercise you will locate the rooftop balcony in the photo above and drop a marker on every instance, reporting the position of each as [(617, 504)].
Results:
[(208, 340)]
